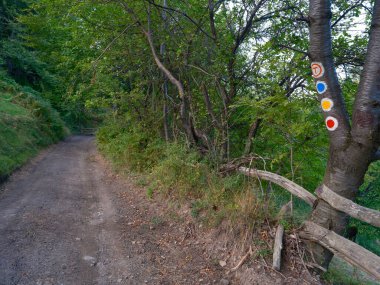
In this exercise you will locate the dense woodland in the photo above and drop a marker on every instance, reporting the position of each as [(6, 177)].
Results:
[(186, 90), (27, 121)]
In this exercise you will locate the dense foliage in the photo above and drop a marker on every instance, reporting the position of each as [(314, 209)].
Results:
[(238, 64), (27, 124), (27, 120)]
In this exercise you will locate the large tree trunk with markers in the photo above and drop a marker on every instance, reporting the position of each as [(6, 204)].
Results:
[(352, 146)]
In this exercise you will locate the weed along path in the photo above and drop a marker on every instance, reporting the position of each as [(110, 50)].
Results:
[(65, 218)]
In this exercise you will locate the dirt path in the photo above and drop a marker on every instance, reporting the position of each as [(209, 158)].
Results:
[(65, 218)]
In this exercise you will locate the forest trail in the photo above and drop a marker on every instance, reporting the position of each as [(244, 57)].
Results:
[(65, 218)]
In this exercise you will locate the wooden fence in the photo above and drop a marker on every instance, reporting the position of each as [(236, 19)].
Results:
[(88, 131), (340, 246)]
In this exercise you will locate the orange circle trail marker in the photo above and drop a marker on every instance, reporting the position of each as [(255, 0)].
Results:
[(331, 123), (317, 69), (327, 104)]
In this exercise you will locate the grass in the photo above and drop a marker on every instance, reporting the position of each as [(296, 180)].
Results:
[(27, 124), (11, 109), (342, 273), (183, 176), (178, 173)]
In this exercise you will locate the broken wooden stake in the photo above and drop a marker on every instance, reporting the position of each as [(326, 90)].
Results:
[(278, 247), (284, 211)]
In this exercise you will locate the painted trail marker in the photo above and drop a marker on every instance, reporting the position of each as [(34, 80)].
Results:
[(317, 69), (321, 87), (331, 123), (327, 104)]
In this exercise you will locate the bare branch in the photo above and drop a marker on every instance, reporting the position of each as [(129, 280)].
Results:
[(294, 49), (210, 111), (247, 28), (344, 14), (184, 15), (252, 133)]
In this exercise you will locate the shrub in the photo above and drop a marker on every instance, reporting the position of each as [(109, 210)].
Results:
[(27, 124)]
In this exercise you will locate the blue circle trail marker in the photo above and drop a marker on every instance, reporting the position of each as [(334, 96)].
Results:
[(321, 87)]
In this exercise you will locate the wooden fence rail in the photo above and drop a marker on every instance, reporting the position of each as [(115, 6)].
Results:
[(88, 131), (340, 203), (352, 209), (347, 250), (340, 246), (285, 183)]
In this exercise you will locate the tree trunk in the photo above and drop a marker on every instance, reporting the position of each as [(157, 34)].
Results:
[(352, 149), (166, 121), (165, 85), (345, 173), (251, 135)]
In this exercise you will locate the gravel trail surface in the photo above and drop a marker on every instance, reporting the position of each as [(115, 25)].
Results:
[(66, 218)]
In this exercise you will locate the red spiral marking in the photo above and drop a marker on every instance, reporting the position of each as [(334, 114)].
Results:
[(317, 70)]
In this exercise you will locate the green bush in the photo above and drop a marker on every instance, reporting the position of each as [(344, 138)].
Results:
[(27, 124), (182, 171), (177, 172), (129, 147)]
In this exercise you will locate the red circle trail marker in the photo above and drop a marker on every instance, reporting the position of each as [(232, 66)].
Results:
[(317, 69), (331, 123)]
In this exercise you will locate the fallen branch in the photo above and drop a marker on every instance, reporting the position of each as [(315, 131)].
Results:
[(250, 252), (352, 209), (234, 164), (285, 183)]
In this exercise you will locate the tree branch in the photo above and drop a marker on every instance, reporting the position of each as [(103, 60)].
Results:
[(184, 15), (344, 248), (352, 209), (357, 4), (366, 114), (294, 49), (211, 7), (210, 111), (252, 133), (247, 28)]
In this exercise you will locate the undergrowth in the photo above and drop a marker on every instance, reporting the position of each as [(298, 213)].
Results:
[(27, 124), (178, 173)]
